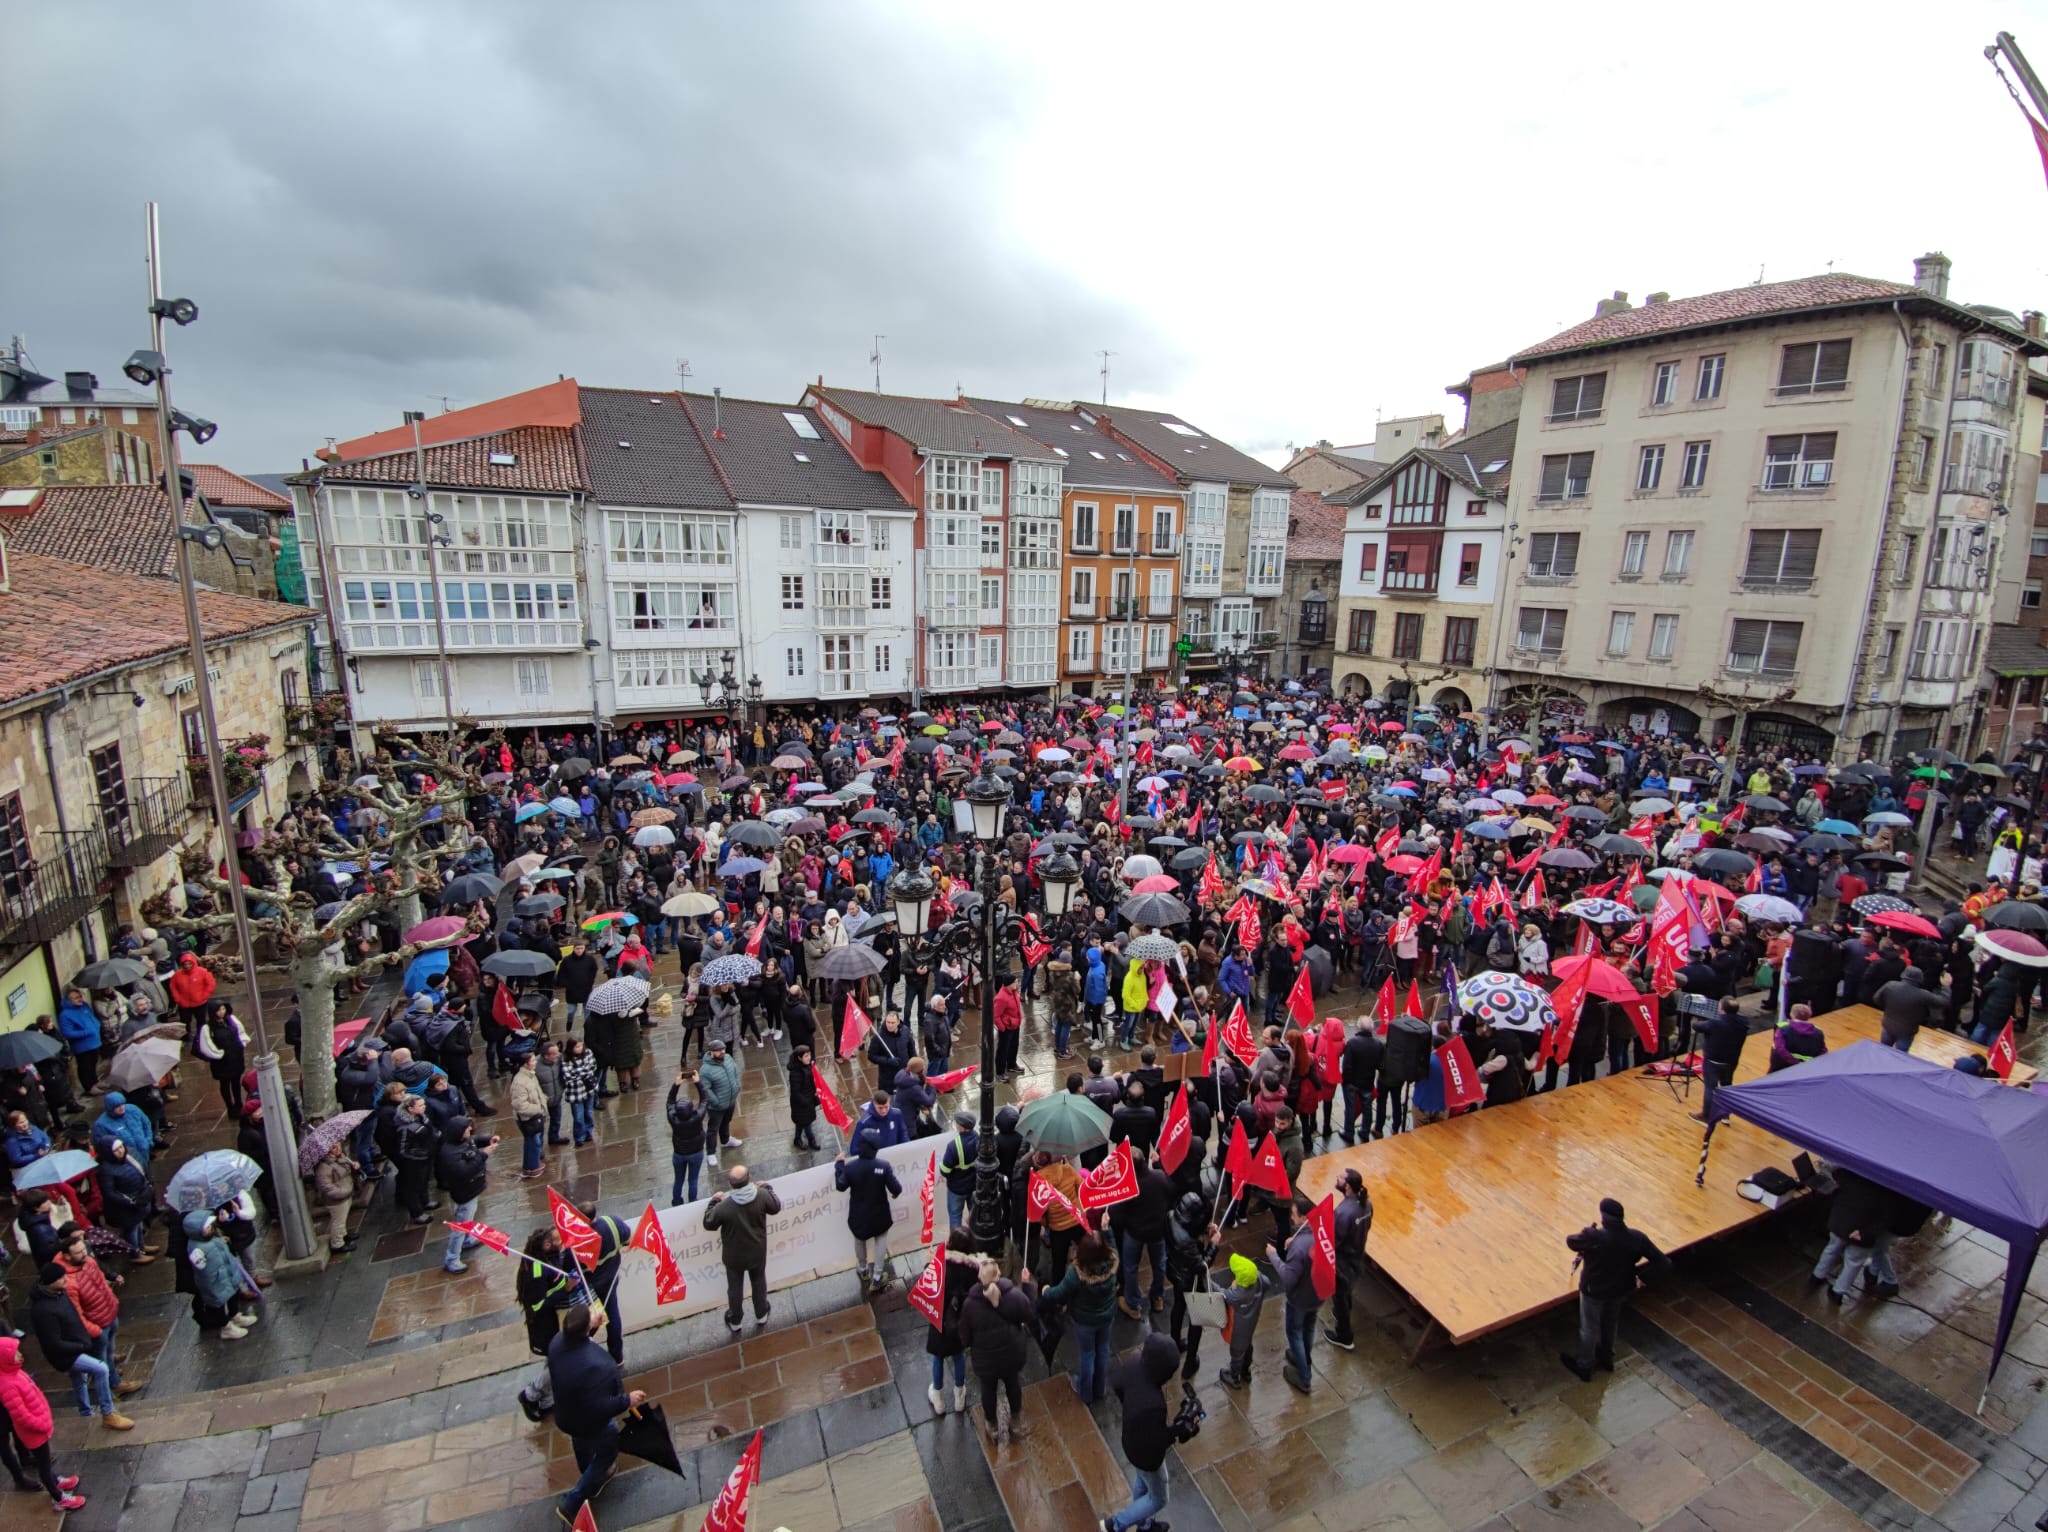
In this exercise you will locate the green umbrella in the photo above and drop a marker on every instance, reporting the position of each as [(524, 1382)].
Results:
[(1932, 771), (1643, 896), (1064, 1124)]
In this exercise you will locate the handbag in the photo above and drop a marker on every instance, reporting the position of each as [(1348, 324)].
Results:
[(1205, 1309)]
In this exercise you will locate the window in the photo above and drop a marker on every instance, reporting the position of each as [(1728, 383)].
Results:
[(1938, 645), (1621, 634), (1407, 636), (991, 542), (991, 491), (1814, 367), (670, 537), (991, 598), (1677, 555), (1976, 461), (955, 597), (842, 598), (1923, 460), (426, 679), (1209, 508), (1315, 622), (1956, 558), (1081, 593), (288, 687), (1204, 566), (793, 661), (194, 733), (1121, 597), (878, 536), (792, 531), (1269, 516), (1763, 648), (842, 664), (1782, 558), (1799, 462), (953, 541), (952, 487), (1566, 476), (1540, 628), (534, 679), (1664, 383), (881, 592), (1035, 489), (1369, 562), (1578, 398), (1034, 602), (1034, 543), (1650, 468), (881, 656), (1156, 645), (110, 784), (1125, 535), (17, 864), (1358, 639), (2030, 595), (1937, 372), (674, 605), (949, 659), (991, 657), (1119, 647), (1081, 648), (1711, 370), (1475, 507), (1694, 474), (1374, 512), (2037, 544), (1159, 597), (1888, 651), (1468, 564), (1084, 527), (1461, 639), (1420, 496), (792, 593), (1263, 566), (1635, 552), (1034, 657), (1663, 635), (1162, 531), (842, 537), (1554, 555)]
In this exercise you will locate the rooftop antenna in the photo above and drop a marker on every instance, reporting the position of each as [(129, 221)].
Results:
[(1105, 355), (1759, 282), (445, 399), (683, 374), (875, 361)]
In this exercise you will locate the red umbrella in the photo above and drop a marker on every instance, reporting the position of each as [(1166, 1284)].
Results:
[(347, 1033), (1403, 864), (1392, 726), (1296, 752), (1543, 801), (1712, 890), (1907, 921), (993, 726), (1351, 854), (1604, 979)]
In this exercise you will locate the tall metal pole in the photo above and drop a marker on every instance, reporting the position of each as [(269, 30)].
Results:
[(2004, 43), (988, 1173), (437, 539), (290, 1192)]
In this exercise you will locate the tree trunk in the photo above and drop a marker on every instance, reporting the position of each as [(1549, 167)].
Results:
[(409, 911), (314, 978)]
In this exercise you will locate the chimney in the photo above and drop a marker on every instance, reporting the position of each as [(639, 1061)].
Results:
[(717, 415), (2034, 324), (1930, 274), (1618, 304), (81, 382), (1656, 298)]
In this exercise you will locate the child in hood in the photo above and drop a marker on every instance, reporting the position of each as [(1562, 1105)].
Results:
[(219, 1281), (1243, 1297), (25, 1418)]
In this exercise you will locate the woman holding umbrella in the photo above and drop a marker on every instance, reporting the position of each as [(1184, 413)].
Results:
[(126, 1199)]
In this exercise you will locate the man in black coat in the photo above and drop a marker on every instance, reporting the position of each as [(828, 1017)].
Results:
[(1140, 1225), (1135, 1119), (1611, 1256), (1140, 1387), (1719, 1039), (1357, 1071), (590, 1395), (460, 1165)]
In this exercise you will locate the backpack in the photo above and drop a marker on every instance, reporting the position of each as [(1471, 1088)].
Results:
[(1500, 948), (1406, 1056)]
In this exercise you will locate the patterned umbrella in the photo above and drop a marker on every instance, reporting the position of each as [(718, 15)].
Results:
[(616, 997), (1879, 904), (1152, 949), (208, 1180), (323, 1136), (1506, 1000), (1602, 912), (733, 968)]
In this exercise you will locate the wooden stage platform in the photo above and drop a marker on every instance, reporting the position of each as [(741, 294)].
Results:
[(1470, 1215)]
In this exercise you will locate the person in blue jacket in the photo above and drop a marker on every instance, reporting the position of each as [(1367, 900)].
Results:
[(1095, 992), (80, 1025)]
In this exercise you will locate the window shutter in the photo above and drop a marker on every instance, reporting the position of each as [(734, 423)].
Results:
[(1766, 553), (1566, 560), (1781, 651), (1802, 555), (1592, 393), (1796, 369), (1832, 370)]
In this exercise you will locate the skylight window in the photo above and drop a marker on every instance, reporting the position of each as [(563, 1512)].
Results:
[(1018, 421), (1062, 451), (1178, 429), (801, 424), (503, 460), (1072, 427), (625, 446), (801, 457), (1496, 465), (1097, 455)]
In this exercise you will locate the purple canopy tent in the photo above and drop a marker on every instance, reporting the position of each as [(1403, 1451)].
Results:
[(1968, 1146)]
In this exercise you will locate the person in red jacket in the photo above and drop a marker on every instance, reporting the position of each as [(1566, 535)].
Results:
[(191, 987), (27, 1412), (92, 1294), (1009, 1018)]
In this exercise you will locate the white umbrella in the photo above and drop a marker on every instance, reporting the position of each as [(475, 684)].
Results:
[(1771, 908), (654, 835)]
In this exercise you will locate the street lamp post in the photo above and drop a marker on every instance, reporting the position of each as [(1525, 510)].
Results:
[(989, 801)]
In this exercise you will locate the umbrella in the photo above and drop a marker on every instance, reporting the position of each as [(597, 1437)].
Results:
[(1602, 912), (212, 1178), (1485, 805), (1142, 866), (853, 961), (1878, 904), (2014, 915), (874, 817), (575, 766), (1718, 861), (1064, 1124), (1489, 829), (53, 1168), (1262, 793), (599, 921), (736, 780), (690, 902), (321, 1138), (2014, 947), (1158, 883), (1618, 845), (1506, 1000), (618, 997), (439, 929), (1651, 806), (733, 968), (1511, 796), (789, 763), (1770, 907), (752, 832), (528, 811), (518, 964), (471, 888), (1643, 896), (1242, 763), (654, 835), (24, 1047), (1884, 859), (644, 1434), (1566, 857), (740, 866), (566, 807), (1586, 812), (1823, 844), (1193, 857), (1603, 979), (1910, 921), (1837, 827), (1888, 817), (1764, 803), (1055, 754), (1152, 949), (652, 817), (112, 973), (145, 1061), (538, 904)]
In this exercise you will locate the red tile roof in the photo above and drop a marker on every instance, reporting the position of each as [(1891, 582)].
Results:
[(122, 527), (1317, 530), (1763, 300), (61, 621), (223, 486), (552, 404), (544, 462)]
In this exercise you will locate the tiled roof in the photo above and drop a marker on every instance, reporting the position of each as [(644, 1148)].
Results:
[(62, 621), (14, 444), (1765, 299), (223, 486), (124, 527), (1316, 527), (2015, 651), (1194, 454), (666, 463), (758, 456), (544, 462), (552, 404), (1481, 462), (937, 425), (1093, 459)]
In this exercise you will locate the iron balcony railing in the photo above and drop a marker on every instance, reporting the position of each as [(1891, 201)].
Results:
[(59, 889), (149, 824)]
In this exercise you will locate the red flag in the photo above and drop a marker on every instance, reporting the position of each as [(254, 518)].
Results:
[(1114, 1180), (1301, 999), (484, 1234), (1292, 824), (585, 1521), (828, 1103), (1212, 1037), (1633, 880), (1585, 943), (1322, 1271), (1670, 936), (1237, 1035), (1643, 1012), (647, 1234), (1534, 895), (1384, 1008), (1211, 883), (1546, 1044), (2004, 1053), (1267, 1170), (1237, 1156), (1112, 811), (574, 1228), (1461, 1080), (1569, 1001), (1333, 792), (952, 1079), (729, 1510), (853, 1029), (669, 1286), (1176, 1133), (928, 1293), (1040, 1194), (1247, 922), (1522, 864), (1754, 883), (1035, 952), (928, 1197), (1414, 1006), (754, 941), (1389, 839), (1457, 844), (1427, 872)]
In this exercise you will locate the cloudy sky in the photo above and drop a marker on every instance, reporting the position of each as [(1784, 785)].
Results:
[(1282, 219)]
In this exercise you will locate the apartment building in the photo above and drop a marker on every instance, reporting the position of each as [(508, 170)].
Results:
[(68, 429), (1424, 541), (1778, 508), (987, 539), (1234, 559), (1119, 549)]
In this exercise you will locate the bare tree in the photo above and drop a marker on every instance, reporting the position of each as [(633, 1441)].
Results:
[(1741, 704), (310, 951)]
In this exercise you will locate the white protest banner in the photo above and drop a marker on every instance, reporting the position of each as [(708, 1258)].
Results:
[(808, 1238)]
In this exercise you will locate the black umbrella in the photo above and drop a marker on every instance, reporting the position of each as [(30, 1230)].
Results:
[(573, 768), (1587, 812), (1212, 771), (1411, 847), (644, 1434), (874, 817), (1877, 859), (1193, 857), (1824, 843), (518, 964), (1153, 910), (112, 973), (327, 912), (1167, 842), (795, 747), (27, 1046), (1566, 857), (1262, 793), (2016, 915), (752, 832), (1721, 861), (1248, 837), (471, 888), (852, 961), (1618, 845), (1141, 821), (924, 745)]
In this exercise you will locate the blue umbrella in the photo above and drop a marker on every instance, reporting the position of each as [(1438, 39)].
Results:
[(53, 1168), (1399, 792), (423, 968), (566, 807), (1578, 750), (1837, 827), (1488, 829), (529, 811), (740, 866), (209, 1180)]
